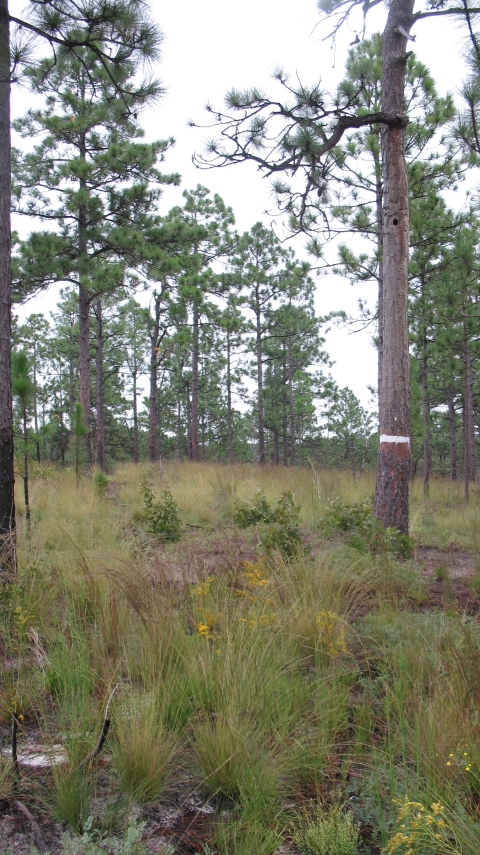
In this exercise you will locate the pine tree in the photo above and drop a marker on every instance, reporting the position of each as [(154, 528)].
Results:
[(118, 32), (199, 281), (94, 177)]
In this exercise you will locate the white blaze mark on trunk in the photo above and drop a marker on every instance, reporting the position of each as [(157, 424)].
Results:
[(385, 437)]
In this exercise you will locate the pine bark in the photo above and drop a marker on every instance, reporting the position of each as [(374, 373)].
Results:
[(391, 492), (7, 497), (379, 218)]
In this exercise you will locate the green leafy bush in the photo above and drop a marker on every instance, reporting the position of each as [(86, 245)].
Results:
[(279, 526), (364, 531), (252, 513), (342, 517), (162, 516)]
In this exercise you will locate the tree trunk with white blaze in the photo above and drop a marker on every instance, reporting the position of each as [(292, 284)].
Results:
[(391, 492)]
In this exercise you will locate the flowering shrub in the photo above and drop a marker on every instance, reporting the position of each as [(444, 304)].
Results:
[(466, 760), (419, 830), (331, 633)]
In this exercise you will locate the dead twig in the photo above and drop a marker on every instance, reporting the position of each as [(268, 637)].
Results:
[(101, 739)]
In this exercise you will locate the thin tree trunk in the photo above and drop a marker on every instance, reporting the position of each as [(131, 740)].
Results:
[(84, 300), (466, 491), (453, 436), (84, 364), (276, 449), (470, 420), (179, 428), (195, 360), (62, 440), (291, 403), (202, 421), (427, 453), (135, 416), (284, 411), (391, 492), (7, 497), (152, 401), (229, 403), (100, 396), (25, 474), (261, 419), (189, 423), (35, 402)]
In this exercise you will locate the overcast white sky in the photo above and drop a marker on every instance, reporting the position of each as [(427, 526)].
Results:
[(213, 46)]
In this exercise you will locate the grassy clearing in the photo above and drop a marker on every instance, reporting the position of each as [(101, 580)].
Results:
[(307, 700)]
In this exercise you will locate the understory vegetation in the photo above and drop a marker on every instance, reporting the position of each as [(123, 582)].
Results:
[(299, 690)]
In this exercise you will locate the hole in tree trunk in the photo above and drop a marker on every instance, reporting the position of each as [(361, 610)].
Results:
[(395, 221)]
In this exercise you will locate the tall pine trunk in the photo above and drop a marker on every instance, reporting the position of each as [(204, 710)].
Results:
[(284, 409), (291, 403), (189, 422), (260, 407), (427, 452), (229, 402), (135, 414), (195, 360), (452, 436), (84, 300), (25, 472), (470, 420), (391, 492), (179, 426), (99, 390), (7, 498), (153, 450)]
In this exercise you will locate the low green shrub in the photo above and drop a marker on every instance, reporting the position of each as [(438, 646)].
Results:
[(279, 526), (100, 484), (162, 516), (327, 832), (363, 531), (342, 517), (93, 842), (252, 513)]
